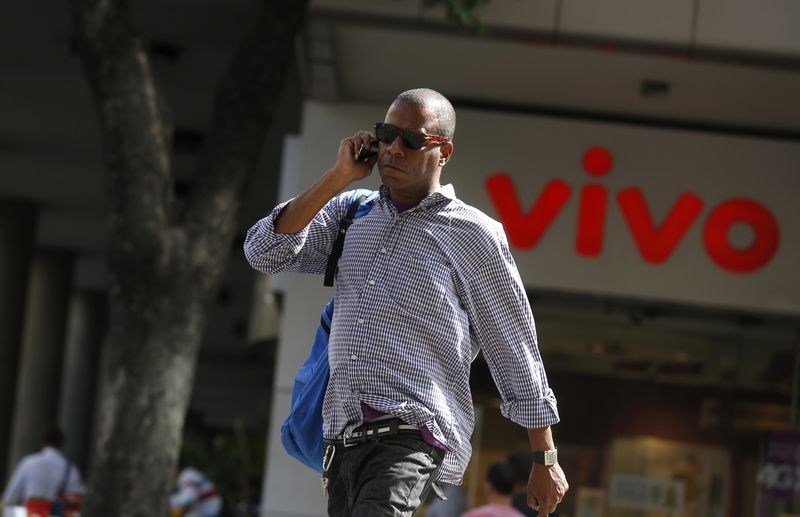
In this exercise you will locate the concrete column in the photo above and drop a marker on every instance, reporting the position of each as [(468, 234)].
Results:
[(286, 482), (17, 233), (86, 328), (264, 314), (36, 406)]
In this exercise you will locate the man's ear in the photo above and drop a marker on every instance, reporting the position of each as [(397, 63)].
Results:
[(445, 152)]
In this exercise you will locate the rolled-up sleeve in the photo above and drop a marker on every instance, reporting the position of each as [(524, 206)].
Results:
[(303, 252), (503, 324)]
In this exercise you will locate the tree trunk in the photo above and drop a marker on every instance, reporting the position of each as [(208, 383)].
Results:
[(163, 272)]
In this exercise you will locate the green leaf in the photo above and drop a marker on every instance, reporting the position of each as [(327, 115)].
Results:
[(462, 12)]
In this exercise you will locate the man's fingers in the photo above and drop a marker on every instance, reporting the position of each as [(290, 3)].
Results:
[(542, 507), (363, 138), (545, 509)]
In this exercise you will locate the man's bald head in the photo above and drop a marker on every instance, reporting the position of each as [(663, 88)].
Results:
[(445, 124)]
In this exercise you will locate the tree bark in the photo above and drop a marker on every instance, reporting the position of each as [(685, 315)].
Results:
[(163, 272)]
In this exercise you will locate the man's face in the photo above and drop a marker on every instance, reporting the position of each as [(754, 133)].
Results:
[(411, 174)]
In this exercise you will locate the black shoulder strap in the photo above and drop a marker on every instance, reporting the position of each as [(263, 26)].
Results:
[(64, 480), (338, 245)]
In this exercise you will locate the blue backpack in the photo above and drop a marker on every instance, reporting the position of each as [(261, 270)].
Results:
[(301, 432)]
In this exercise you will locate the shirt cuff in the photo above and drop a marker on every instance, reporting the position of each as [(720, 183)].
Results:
[(269, 251), (293, 241), (534, 413)]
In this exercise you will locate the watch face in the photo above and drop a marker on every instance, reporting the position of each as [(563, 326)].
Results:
[(546, 457)]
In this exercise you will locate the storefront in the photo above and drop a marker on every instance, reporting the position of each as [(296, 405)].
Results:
[(666, 410), (661, 267)]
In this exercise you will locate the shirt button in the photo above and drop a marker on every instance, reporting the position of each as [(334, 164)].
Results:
[(397, 218), (371, 282), (354, 357), (383, 250), (360, 321)]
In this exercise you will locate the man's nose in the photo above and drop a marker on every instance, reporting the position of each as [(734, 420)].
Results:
[(396, 147)]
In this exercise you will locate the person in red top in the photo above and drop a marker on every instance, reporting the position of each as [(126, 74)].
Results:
[(499, 487)]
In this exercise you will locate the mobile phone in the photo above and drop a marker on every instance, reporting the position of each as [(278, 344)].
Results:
[(364, 152)]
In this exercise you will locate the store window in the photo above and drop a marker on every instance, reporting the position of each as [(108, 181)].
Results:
[(667, 411)]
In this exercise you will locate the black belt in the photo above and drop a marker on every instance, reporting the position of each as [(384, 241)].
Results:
[(374, 431)]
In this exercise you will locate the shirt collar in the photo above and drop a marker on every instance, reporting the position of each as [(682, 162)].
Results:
[(447, 191), (443, 193)]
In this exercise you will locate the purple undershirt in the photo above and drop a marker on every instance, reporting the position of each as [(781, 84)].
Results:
[(402, 207), (371, 413)]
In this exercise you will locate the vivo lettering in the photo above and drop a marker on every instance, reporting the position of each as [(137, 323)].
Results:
[(655, 242)]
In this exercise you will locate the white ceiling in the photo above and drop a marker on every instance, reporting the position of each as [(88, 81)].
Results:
[(376, 63)]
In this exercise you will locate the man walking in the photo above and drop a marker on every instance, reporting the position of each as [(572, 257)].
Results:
[(424, 280)]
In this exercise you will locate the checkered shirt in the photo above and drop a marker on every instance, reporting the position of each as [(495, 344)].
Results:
[(417, 294)]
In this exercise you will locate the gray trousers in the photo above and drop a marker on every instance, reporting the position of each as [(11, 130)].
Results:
[(389, 477)]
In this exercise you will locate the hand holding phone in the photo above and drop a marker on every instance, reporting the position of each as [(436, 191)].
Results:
[(365, 153)]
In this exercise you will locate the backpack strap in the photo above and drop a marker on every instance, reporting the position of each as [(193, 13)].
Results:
[(338, 245), (64, 480), (325, 319)]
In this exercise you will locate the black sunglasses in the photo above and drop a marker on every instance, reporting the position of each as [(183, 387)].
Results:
[(386, 134)]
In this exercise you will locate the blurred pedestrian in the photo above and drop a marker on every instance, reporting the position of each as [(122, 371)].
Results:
[(195, 495), (498, 487), (46, 475)]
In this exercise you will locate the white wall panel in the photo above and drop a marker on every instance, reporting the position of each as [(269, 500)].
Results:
[(289, 487), (770, 26), (654, 21)]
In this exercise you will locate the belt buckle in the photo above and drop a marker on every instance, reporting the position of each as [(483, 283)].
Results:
[(352, 441)]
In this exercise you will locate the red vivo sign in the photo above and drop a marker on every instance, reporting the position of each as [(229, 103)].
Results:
[(654, 242)]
